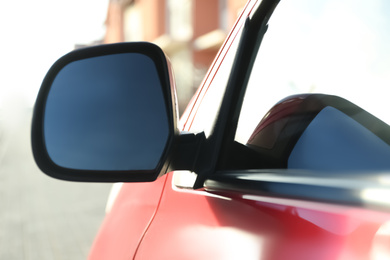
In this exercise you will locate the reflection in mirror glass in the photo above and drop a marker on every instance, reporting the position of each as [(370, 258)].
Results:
[(337, 47), (107, 113)]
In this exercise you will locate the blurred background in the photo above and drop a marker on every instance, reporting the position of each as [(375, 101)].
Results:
[(189, 31), (44, 218)]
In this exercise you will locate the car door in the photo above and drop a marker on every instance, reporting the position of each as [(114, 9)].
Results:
[(280, 208)]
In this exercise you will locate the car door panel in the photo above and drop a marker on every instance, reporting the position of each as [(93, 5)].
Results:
[(226, 224), (195, 224), (128, 219)]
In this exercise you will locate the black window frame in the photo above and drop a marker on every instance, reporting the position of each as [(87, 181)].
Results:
[(213, 153), (215, 177)]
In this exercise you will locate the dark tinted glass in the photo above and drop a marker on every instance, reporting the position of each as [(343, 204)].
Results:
[(107, 113)]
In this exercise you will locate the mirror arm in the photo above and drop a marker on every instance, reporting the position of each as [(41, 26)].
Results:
[(186, 152)]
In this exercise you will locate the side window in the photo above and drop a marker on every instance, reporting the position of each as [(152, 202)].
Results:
[(338, 49), (206, 108), (210, 103)]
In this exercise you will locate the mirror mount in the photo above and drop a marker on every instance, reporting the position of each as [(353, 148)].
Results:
[(187, 150)]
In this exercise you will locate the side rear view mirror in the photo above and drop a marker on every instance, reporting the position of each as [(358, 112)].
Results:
[(322, 132), (107, 111)]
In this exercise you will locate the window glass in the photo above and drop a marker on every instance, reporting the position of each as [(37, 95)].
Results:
[(331, 47), (206, 114)]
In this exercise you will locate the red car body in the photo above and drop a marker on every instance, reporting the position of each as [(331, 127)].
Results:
[(310, 182), (178, 223), (161, 220)]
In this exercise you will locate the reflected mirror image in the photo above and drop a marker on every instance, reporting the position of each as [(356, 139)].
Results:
[(87, 115)]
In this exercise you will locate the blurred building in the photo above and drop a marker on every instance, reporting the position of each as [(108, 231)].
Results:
[(189, 31)]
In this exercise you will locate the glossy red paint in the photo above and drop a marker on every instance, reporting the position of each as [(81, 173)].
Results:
[(130, 216), (201, 225), (215, 225)]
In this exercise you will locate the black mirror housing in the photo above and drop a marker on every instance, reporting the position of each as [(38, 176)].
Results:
[(106, 114)]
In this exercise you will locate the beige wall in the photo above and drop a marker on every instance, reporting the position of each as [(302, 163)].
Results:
[(153, 13), (114, 23)]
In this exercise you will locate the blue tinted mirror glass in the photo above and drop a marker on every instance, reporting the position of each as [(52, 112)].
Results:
[(107, 113)]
